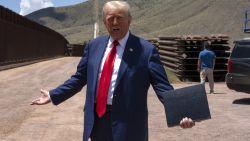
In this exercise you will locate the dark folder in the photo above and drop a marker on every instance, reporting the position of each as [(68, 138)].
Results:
[(189, 102)]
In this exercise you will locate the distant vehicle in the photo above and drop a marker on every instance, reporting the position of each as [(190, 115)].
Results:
[(238, 75)]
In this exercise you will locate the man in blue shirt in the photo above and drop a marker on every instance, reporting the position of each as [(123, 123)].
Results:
[(206, 63)]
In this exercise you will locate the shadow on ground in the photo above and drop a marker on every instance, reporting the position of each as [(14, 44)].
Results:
[(244, 101)]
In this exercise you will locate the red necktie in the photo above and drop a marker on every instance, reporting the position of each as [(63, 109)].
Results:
[(104, 82)]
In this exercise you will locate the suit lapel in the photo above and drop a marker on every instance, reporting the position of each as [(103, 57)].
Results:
[(127, 57)]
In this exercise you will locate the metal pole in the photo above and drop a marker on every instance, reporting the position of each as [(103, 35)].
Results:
[(96, 24)]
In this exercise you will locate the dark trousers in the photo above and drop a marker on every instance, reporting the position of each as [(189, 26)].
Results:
[(102, 130)]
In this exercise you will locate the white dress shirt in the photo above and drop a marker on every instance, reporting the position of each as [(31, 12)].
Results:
[(119, 52)]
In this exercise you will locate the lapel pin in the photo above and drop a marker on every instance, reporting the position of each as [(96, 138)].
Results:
[(130, 49)]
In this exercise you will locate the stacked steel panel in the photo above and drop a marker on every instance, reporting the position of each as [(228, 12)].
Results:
[(75, 49), (180, 54), (154, 41)]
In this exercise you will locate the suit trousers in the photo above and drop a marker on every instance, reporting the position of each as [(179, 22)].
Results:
[(102, 130)]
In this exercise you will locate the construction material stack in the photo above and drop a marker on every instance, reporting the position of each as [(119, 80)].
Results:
[(154, 41), (180, 54)]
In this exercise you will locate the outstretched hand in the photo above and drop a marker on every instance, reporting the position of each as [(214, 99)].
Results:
[(44, 99), (187, 123)]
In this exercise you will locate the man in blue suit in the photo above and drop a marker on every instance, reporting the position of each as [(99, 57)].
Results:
[(122, 81)]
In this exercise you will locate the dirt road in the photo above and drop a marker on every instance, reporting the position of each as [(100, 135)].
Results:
[(21, 122)]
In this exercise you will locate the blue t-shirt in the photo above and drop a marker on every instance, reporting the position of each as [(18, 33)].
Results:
[(206, 57)]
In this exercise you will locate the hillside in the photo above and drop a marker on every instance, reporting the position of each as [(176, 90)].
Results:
[(152, 18)]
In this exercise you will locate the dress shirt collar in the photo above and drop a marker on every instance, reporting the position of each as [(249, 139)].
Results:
[(122, 42)]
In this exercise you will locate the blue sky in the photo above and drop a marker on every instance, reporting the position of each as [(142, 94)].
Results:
[(25, 7)]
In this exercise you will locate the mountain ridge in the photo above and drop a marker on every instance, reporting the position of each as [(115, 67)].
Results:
[(152, 18)]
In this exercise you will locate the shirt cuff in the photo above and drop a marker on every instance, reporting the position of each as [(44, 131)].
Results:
[(51, 99)]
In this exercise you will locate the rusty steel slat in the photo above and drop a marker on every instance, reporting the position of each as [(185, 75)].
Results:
[(219, 37), (161, 47), (169, 58), (153, 40), (19, 19), (12, 17), (1, 12), (2, 42), (4, 13), (16, 19), (168, 53), (222, 42), (7, 15), (169, 43), (162, 37)]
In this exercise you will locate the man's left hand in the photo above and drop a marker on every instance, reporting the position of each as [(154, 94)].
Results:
[(187, 123)]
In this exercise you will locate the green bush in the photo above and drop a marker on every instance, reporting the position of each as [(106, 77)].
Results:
[(171, 76)]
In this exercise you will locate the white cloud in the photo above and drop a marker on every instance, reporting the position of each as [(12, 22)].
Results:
[(28, 6)]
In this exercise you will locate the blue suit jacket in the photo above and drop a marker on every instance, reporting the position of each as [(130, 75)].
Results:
[(140, 67)]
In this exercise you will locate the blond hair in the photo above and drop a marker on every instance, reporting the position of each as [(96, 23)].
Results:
[(116, 4)]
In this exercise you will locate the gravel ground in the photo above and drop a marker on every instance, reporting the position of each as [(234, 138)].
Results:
[(21, 122)]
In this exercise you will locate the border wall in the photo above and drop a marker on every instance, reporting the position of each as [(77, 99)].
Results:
[(23, 40)]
